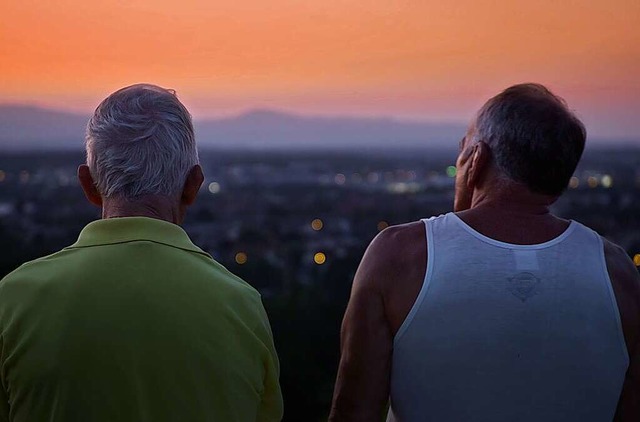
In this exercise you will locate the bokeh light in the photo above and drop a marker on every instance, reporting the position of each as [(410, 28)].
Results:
[(241, 258), (452, 171), (636, 259), (319, 258), (574, 182), (214, 187), (317, 224), (382, 225)]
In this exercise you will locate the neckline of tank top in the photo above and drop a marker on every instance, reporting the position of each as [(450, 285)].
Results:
[(498, 243)]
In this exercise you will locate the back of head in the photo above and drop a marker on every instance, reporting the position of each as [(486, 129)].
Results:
[(140, 142), (534, 138)]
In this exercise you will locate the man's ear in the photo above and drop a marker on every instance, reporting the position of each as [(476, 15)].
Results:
[(480, 160), (88, 186), (192, 185)]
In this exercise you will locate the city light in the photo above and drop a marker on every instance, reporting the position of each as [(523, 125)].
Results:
[(241, 258), (373, 177), (340, 179), (574, 182), (64, 180), (319, 258), (402, 187), (607, 181), (452, 171), (214, 187), (398, 188), (382, 225), (592, 182), (636, 259), (317, 224)]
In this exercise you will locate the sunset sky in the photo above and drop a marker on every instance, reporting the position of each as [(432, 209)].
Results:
[(426, 60)]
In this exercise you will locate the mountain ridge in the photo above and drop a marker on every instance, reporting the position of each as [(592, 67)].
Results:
[(28, 127), (25, 127)]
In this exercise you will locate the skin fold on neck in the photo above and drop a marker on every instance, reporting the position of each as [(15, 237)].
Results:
[(151, 206)]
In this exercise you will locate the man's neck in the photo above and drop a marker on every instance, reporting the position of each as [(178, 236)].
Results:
[(512, 199), (151, 206), (514, 215)]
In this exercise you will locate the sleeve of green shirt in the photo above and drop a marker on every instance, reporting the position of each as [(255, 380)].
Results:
[(4, 406), (4, 398), (271, 407)]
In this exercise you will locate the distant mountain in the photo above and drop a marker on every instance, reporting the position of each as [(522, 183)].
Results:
[(28, 127), (265, 128)]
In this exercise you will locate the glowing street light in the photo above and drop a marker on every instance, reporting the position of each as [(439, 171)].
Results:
[(319, 258), (317, 224), (241, 258), (214, 187), (382, 225)]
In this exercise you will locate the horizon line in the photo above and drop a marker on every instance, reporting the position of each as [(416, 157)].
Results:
[(260, 109)]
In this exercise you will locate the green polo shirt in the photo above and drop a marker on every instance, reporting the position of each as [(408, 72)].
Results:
[(133, 322)]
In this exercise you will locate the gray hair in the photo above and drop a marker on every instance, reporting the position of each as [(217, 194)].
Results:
[(140, 141), (534, 138)]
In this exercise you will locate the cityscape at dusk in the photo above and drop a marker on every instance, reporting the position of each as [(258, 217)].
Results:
[(295, 225)]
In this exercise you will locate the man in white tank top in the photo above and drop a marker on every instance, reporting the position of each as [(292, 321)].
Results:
[(500, 311)]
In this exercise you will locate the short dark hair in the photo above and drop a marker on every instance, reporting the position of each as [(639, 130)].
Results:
[(533, 136)]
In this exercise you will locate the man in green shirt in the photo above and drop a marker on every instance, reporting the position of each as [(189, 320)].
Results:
[(134, 322)]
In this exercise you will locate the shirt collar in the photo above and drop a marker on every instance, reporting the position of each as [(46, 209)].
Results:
[(127, 229)]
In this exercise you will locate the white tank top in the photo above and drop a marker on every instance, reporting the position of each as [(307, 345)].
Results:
[(503, 332)]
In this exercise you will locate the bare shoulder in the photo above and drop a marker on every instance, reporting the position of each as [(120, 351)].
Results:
[(394, 266), (396, 247)]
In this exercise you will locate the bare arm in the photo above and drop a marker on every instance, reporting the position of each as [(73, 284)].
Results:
[(385, 286), (626, 285), (362, 386)]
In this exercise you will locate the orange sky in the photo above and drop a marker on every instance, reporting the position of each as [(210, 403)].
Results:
[(416, 59)]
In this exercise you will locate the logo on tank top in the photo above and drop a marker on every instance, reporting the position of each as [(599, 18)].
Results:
[(523, 285)]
